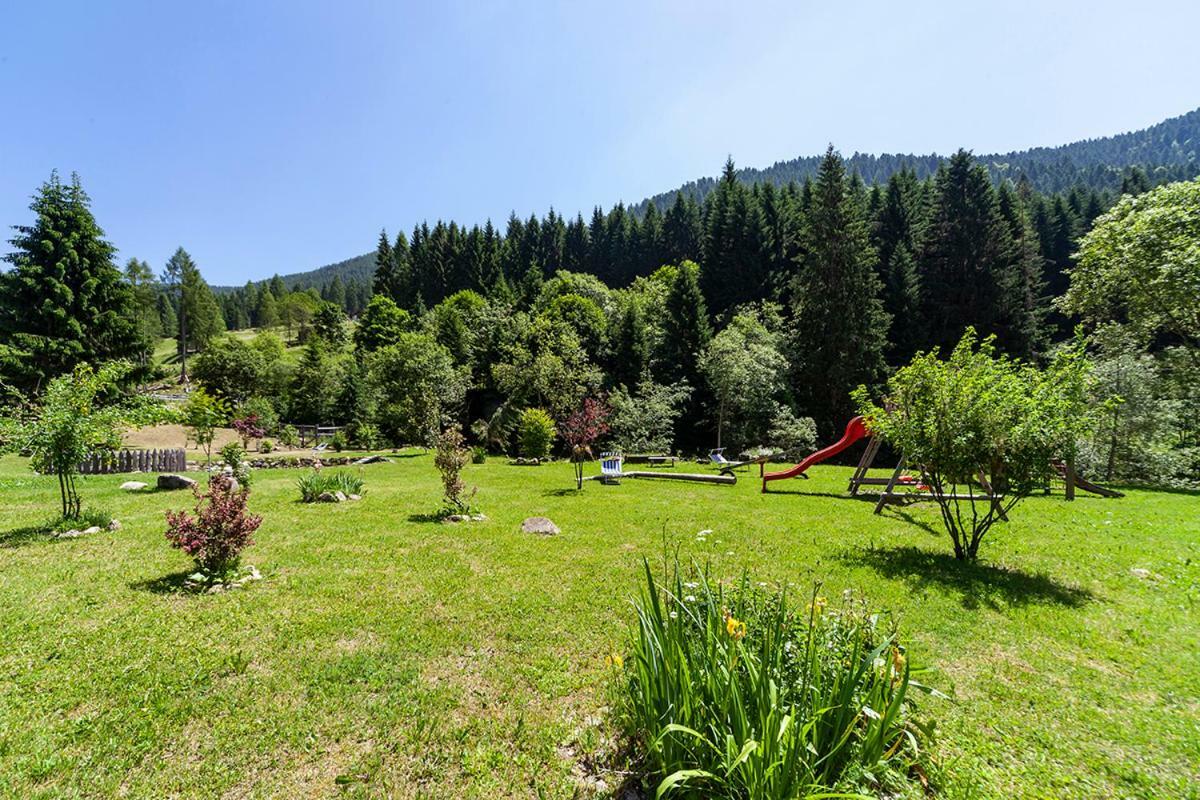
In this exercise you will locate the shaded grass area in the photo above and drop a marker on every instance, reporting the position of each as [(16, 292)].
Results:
[(386, 655)]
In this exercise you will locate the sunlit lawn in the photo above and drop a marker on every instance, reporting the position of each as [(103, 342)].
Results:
[(384, 654)]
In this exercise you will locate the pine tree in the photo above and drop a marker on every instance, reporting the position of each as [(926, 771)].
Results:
[(144, 289), (386, 275), (896, 234), (686, 332), (337, 292), (681, 231), (64, 301), (966, 259), (1024, 331), (630, 347), (734, 271), (266, 314), (840, 326)]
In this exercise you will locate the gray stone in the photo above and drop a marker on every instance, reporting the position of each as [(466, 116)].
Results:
[(115, 525), (171, 482), (373, 460), (1138, 572), (478, 518), (341, 496), (133, 486), (354, 497), (457, 518), (540, 525), (93, 529), (71, 534), (331, 497)]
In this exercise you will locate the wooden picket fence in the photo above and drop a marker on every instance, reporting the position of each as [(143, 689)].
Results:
[(172, 460)]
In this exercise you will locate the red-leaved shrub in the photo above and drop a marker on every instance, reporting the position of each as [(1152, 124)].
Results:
[(221, 529), (249, 427)]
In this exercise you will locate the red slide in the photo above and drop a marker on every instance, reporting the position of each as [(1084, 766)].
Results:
[(855, 429)]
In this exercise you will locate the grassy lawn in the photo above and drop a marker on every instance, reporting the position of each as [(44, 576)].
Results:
[(387, 655)]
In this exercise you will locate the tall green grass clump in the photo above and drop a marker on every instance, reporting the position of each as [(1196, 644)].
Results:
[(736, 693), (319, 481)]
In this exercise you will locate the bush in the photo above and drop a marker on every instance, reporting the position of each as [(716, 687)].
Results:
[(86, 518), (644, 422), (234, 457), (339, 441), (220, 531), (248, 427), (316, 483), (366, 436), (537, 432), (450, 458), (735, 693), (479, 455), (289, 436), (265, 446)]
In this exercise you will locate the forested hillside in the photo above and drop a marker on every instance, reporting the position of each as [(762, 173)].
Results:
[(1168, 151)]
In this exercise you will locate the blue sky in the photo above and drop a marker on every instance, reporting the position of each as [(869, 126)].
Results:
[(277, 137)]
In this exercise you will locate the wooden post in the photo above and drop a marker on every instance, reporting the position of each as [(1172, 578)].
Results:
[(891, 485), (1069, 479), (864, 464)]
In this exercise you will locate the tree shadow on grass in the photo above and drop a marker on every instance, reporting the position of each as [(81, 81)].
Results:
[(19, 537), (976, 584), (425, 518), (572, 492), (175, 583)]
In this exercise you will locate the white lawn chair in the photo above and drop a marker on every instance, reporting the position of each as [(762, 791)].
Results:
[(610, 467), (725, 466)]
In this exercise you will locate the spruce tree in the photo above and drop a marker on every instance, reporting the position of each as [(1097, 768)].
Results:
[(1024, 330), (686, 332), (840, 326), (681, 231), (64, 301), (966, 261), (630, 346), (896, 234), (734, 271)]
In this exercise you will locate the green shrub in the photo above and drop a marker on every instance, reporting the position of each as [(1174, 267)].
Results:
[(265, 446), (537, 433), (289, 436), (86, 518), (233, 455), (319, 481), (450, 458), (735, 693), (339, 441), (479, 455), (366, 436)]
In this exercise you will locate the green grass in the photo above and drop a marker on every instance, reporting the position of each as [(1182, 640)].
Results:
[(387, 655)]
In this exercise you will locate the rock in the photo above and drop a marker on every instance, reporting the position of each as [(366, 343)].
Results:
[(232, 483), (341, 496), (540, 525), (354, 497), (115, 525), (133, 486), (93, 529), (373, 460), (1138, 572), (171, 482), (331, 497), (478, 518), (71, 534)]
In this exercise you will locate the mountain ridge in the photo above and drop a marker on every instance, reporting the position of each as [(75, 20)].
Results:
[(1167, 150)]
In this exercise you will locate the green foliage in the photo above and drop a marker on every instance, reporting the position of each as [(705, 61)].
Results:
[(980, 413), (1141, 263), (839, 322), (536, 431), (317, 384), (232, 369), (64, 300), (479, 455), (82, 413), (317, 482), (736, 693), (546, 366), (419, 387), (233, 456), (202, 414), (366, 436), (644, 421), (266, 446), (747, 375), (289, 436), (329, 323), (339, 441), (381, 324)]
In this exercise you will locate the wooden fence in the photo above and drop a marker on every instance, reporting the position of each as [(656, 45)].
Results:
[(173, 460)]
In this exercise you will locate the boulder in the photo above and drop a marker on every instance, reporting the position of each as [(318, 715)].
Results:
[(539, 525), (133, 486), (171, 482), (115, 525), (93, 529), (331, 497), (373, 460), (354, 497), (71, 534)]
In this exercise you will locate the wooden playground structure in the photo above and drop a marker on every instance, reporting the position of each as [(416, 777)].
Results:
[(903, 487)]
